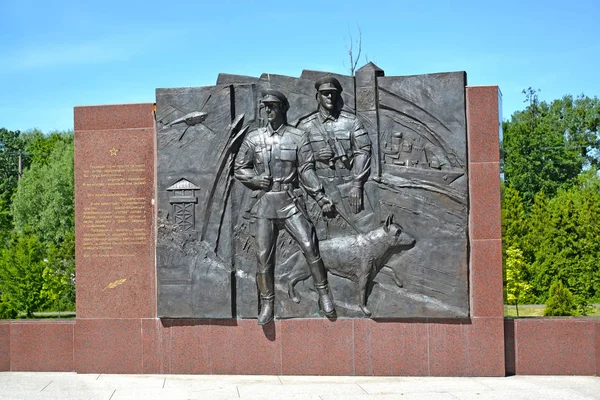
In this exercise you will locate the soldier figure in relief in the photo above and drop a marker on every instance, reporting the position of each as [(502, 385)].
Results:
[(274, 162), (341, 146)]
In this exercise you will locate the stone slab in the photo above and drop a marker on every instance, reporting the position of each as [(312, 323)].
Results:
[(486, 278), (597, 348), (484, 190), (114, 116), (19, 385), (187, 346), (448, 341), (242, 347), (42, 346), (114, 223), (152, 346), (485, 347), (112, 346), (483, 123), (4, 346), (391, 347), (555, 346), (317, 347)]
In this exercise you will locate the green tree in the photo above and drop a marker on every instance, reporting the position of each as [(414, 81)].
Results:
[(514, 224), (38, 146), (59, 274), (560, 301), (5, 222), (517, 290), (6, 309), (43, 202), (565, 233), (41, 214), (547, 144), (11, 144), (21, 274)]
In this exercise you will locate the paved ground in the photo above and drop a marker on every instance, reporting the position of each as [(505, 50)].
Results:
[(67, 386)]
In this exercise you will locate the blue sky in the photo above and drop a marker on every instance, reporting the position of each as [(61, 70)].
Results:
[(55, 55)]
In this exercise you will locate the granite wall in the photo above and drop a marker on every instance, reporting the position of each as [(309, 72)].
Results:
[(117, 331)]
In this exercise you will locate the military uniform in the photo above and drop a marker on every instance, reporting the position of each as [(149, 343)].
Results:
[(350, 144), (349, 166), (285, 156)]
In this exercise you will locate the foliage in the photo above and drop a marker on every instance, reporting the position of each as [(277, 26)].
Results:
[(10, 145), (566, 239), (6, 309), (21, 274), (514, 226), (551, 200), (518, 291), (37, 263), (5, 222), (39, 147), (547, 145), (560, 301), (59, 275), (43, 203)]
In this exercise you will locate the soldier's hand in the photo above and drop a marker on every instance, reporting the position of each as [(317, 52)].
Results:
[(262, 182), (327, 206), (355, 198), (324, 155)]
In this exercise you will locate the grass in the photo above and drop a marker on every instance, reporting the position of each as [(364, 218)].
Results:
[(537, 310), (49, 315)]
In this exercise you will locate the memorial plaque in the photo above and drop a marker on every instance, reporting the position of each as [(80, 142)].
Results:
[(324, 195), (114, 221)]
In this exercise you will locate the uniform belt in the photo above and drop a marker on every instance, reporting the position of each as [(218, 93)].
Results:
[(280, 187), (332, 173)]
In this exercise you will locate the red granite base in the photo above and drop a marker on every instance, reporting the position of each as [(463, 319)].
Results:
[(598, 348), (42, 346), (111, 346), (244, 348), (317, 347), (556, 346), (470, 347), (186, 345), (5, 346), (292, 347), (391, 348)]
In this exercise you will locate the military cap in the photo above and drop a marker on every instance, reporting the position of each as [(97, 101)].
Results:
[(274, 96), (328, 83)]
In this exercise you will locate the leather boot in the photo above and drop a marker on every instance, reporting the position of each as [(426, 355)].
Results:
[(265, 285), (325, 300), (266, 310), (319, 273)]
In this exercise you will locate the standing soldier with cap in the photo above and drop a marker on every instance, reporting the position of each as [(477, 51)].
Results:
[(340, 143), (273, 161)]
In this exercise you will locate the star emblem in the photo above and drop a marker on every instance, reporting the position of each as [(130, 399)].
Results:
[(113, 151)]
